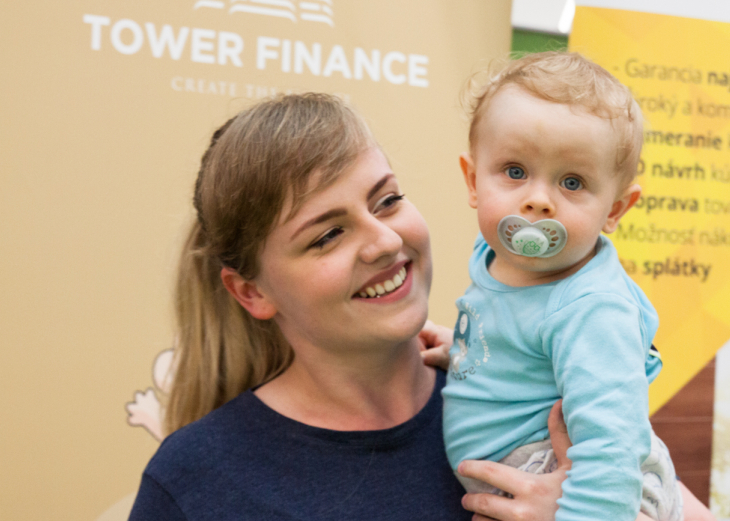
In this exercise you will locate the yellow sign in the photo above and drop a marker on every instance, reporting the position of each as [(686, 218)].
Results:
[(676, 241)]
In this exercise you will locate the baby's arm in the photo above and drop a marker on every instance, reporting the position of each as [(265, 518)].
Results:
[(597, 348), (534, 495)]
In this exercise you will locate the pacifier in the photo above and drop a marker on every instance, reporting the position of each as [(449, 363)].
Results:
[(541, 239)]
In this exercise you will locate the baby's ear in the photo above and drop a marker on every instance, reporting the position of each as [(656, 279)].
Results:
[(622, 205), (470, 176)]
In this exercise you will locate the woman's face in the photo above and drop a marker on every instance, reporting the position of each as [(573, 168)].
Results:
[(353, 239)]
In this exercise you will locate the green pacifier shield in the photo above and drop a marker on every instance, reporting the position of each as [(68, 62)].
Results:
[(530, 242), (543, 238)]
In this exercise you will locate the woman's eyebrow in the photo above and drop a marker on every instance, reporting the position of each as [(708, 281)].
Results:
[(329, 214), (338, 212), (379, 184)]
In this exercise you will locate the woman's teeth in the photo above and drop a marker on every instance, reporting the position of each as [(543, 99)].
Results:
[(383, 288)]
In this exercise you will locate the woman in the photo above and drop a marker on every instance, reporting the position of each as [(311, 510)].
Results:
[(302, 290)]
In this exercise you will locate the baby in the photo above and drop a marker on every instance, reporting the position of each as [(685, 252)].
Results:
[(554, 147)]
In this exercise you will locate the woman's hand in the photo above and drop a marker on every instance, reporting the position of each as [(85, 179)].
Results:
[(535, 495), (435, 342)]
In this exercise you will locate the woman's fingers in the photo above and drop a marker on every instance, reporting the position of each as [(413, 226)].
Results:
[(435, 342), (535, 495), (489, 506), (436, 357), (434, 335), (498, 475), (559, 435)]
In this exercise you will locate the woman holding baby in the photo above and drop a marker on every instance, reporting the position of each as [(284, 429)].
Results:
[(300, 389)]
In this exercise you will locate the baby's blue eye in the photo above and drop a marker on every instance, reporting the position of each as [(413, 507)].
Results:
[(572, 183), (515, 172)]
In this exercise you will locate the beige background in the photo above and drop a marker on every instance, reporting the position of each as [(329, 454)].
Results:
[(98, 157)]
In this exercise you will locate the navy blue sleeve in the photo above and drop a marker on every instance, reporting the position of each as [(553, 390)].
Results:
[(154, 503)]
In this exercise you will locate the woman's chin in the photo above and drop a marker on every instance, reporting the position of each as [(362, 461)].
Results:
[(407, 326)]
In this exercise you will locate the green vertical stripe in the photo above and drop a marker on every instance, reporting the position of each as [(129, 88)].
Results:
[(530, 41)]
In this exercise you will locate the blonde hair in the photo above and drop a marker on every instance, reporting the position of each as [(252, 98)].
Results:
[(570, 79), (256, 161)]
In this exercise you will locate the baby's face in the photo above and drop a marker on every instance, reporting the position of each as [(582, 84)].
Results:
[(543, 160)]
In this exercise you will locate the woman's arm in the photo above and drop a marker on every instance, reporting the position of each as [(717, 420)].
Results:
[(535, 495), (694, 510)]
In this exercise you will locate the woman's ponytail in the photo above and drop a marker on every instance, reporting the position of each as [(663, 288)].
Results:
[(221, 350)]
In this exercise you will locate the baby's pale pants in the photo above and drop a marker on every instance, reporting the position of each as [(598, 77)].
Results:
[(661, 497)]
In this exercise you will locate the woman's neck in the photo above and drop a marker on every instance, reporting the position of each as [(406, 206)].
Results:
[(352, 392)]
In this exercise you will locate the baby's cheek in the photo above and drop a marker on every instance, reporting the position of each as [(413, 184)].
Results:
[(487, 221)]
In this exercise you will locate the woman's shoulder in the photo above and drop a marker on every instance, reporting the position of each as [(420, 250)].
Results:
[(245, 457), (198, 444), (245, 425)]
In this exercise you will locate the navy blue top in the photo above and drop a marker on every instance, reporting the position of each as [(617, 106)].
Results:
[(244, 461)]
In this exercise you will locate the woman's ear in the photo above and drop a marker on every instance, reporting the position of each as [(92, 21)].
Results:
[(247, 294), (470, 176), (622, 205)]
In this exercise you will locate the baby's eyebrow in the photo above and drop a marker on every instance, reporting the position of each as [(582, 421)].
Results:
[(326, 216)]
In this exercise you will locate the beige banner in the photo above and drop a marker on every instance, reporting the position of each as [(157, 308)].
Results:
[(107, 107)]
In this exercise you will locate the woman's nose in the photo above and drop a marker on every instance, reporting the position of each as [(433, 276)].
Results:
[(381, 242), (538, 203)]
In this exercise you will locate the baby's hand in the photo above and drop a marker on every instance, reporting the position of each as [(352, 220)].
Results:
[(435, 342), (144, 411)]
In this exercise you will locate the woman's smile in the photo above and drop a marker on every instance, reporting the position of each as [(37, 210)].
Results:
[(360, 239), (392, 285)]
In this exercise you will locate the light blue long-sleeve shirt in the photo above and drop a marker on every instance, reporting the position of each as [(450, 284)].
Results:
[(586, 339)]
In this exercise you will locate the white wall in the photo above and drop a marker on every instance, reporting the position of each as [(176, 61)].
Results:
[(555, 16)]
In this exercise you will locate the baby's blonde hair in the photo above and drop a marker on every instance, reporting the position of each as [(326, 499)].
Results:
[(570, 79)]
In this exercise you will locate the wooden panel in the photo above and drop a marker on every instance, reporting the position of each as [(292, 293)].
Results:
[(685, 425), (688, 442), (695, 399), (699, 483)]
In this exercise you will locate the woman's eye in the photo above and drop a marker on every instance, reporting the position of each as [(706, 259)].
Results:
[(326, 238), (572, 183), (515, 172), (388, 201)]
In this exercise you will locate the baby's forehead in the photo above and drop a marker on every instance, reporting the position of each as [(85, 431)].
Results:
[(515, 111), (511, 94)]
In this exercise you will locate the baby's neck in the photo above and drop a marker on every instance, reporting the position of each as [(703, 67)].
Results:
[(510, 275)]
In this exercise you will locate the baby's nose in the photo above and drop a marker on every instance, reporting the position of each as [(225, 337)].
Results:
[(539, 203)]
